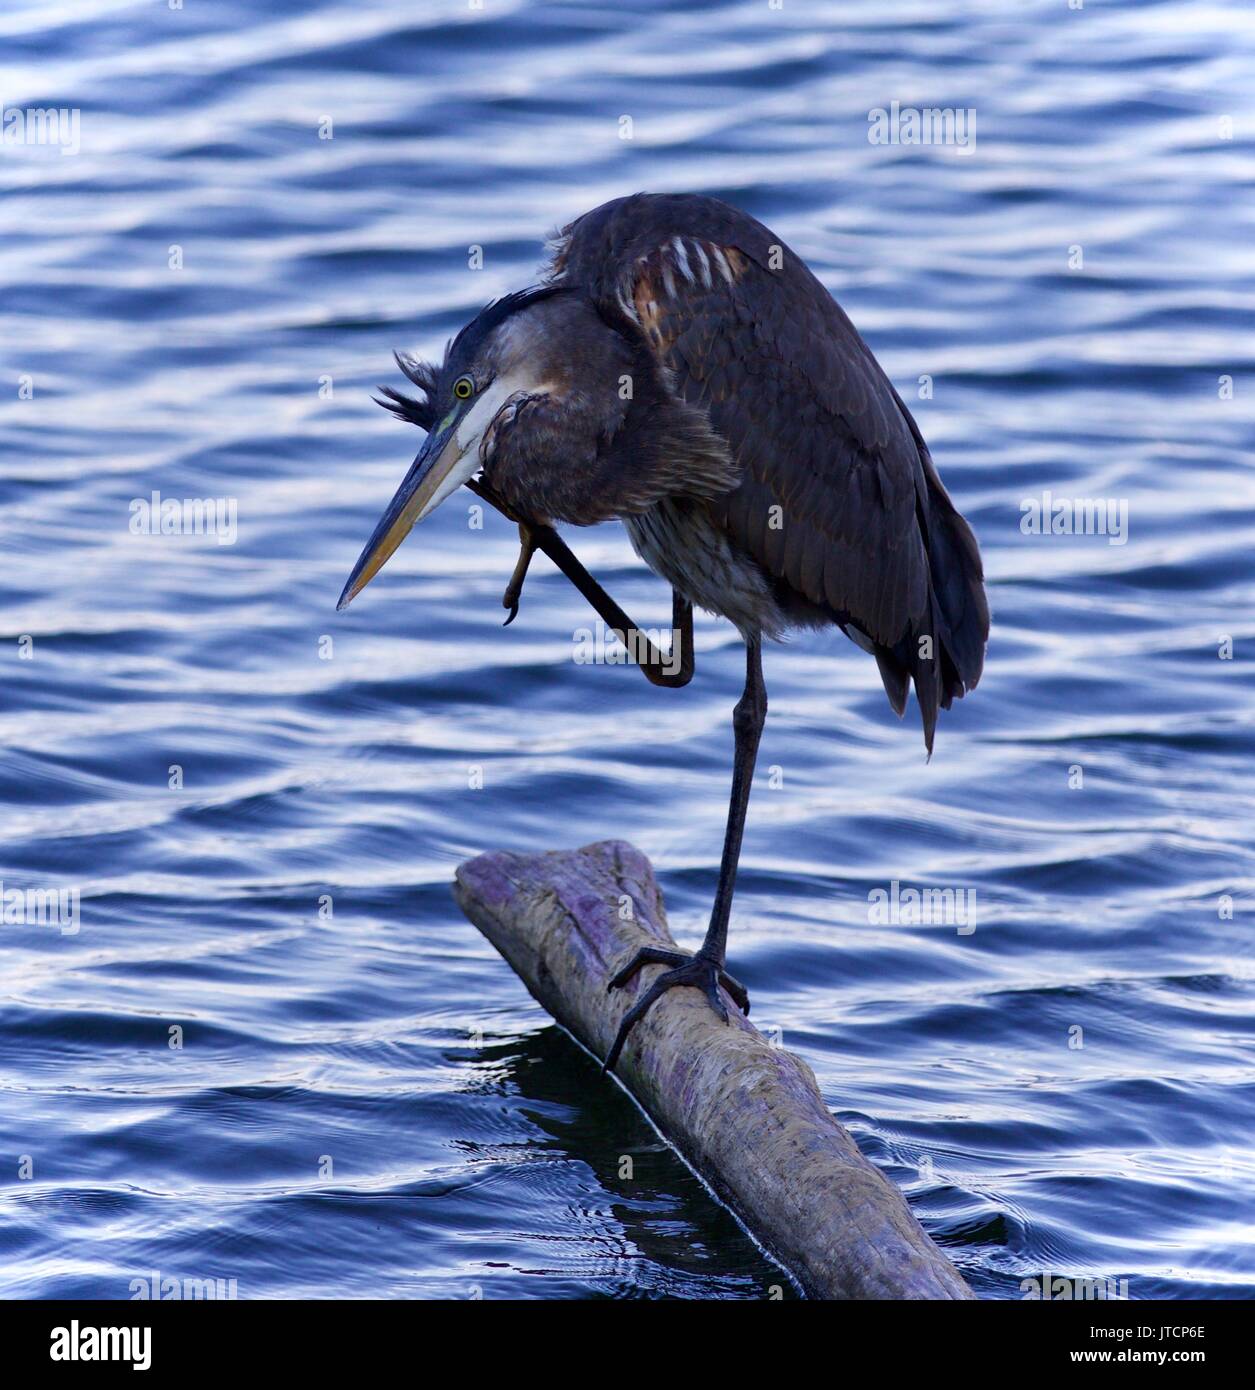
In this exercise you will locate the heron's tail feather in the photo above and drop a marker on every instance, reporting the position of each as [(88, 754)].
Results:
[(947, 652), (958, 581), (942, 653)]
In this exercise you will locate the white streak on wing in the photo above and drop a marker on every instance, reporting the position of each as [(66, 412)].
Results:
[(722, 262), (668, 280), (682, 260), (704, 263), (626, 305)]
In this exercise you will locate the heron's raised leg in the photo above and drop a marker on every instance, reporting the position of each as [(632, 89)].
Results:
[(674, 668), (514, 589), (705, 970)]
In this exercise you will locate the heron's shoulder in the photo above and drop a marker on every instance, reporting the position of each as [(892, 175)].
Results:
[(722, 300), (602, 249), (673, 266)]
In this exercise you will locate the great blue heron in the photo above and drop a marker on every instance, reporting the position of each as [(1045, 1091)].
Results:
[(679, 368)]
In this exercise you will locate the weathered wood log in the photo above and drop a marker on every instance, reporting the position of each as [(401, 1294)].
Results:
[(745, 1114)]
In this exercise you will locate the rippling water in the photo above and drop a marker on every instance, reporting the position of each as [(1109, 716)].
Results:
[(365, 1100)]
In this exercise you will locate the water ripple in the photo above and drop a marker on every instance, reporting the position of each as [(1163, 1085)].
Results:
[(271, 1050)]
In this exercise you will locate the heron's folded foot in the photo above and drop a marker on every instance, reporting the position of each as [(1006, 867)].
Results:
[(514, 589), (698, 972)]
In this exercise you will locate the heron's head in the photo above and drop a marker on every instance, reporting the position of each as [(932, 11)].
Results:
[(515, 349)]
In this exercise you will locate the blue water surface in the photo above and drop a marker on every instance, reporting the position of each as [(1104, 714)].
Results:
[(261, 803)]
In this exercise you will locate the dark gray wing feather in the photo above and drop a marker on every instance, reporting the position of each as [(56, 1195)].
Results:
[(839, 499)]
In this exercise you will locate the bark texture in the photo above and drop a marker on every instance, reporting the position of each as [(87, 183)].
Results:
[(746, 1114)]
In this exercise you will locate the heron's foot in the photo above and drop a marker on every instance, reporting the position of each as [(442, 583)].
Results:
[(514, 589), (698, 972)]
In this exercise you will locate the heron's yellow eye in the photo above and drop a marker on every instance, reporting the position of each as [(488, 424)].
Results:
[(464, 388)]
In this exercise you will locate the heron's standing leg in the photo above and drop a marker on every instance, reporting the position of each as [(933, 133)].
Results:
[(705, 970), (748, 719)]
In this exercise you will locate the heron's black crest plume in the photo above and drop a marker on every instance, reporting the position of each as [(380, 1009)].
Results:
[(424, 376)]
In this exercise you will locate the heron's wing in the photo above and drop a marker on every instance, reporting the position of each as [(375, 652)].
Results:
[(839, 500)]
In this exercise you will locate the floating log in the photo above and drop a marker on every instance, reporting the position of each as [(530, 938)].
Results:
[(746, 1115)]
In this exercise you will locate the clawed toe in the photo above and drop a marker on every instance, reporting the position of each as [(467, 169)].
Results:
[(736, 991), (698, 972), (514, 589), (647, 955)]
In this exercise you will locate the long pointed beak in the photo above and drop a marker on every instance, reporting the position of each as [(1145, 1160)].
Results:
[(433, 475)]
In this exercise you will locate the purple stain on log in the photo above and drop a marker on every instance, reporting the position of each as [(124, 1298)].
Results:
[(747, 1116)]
